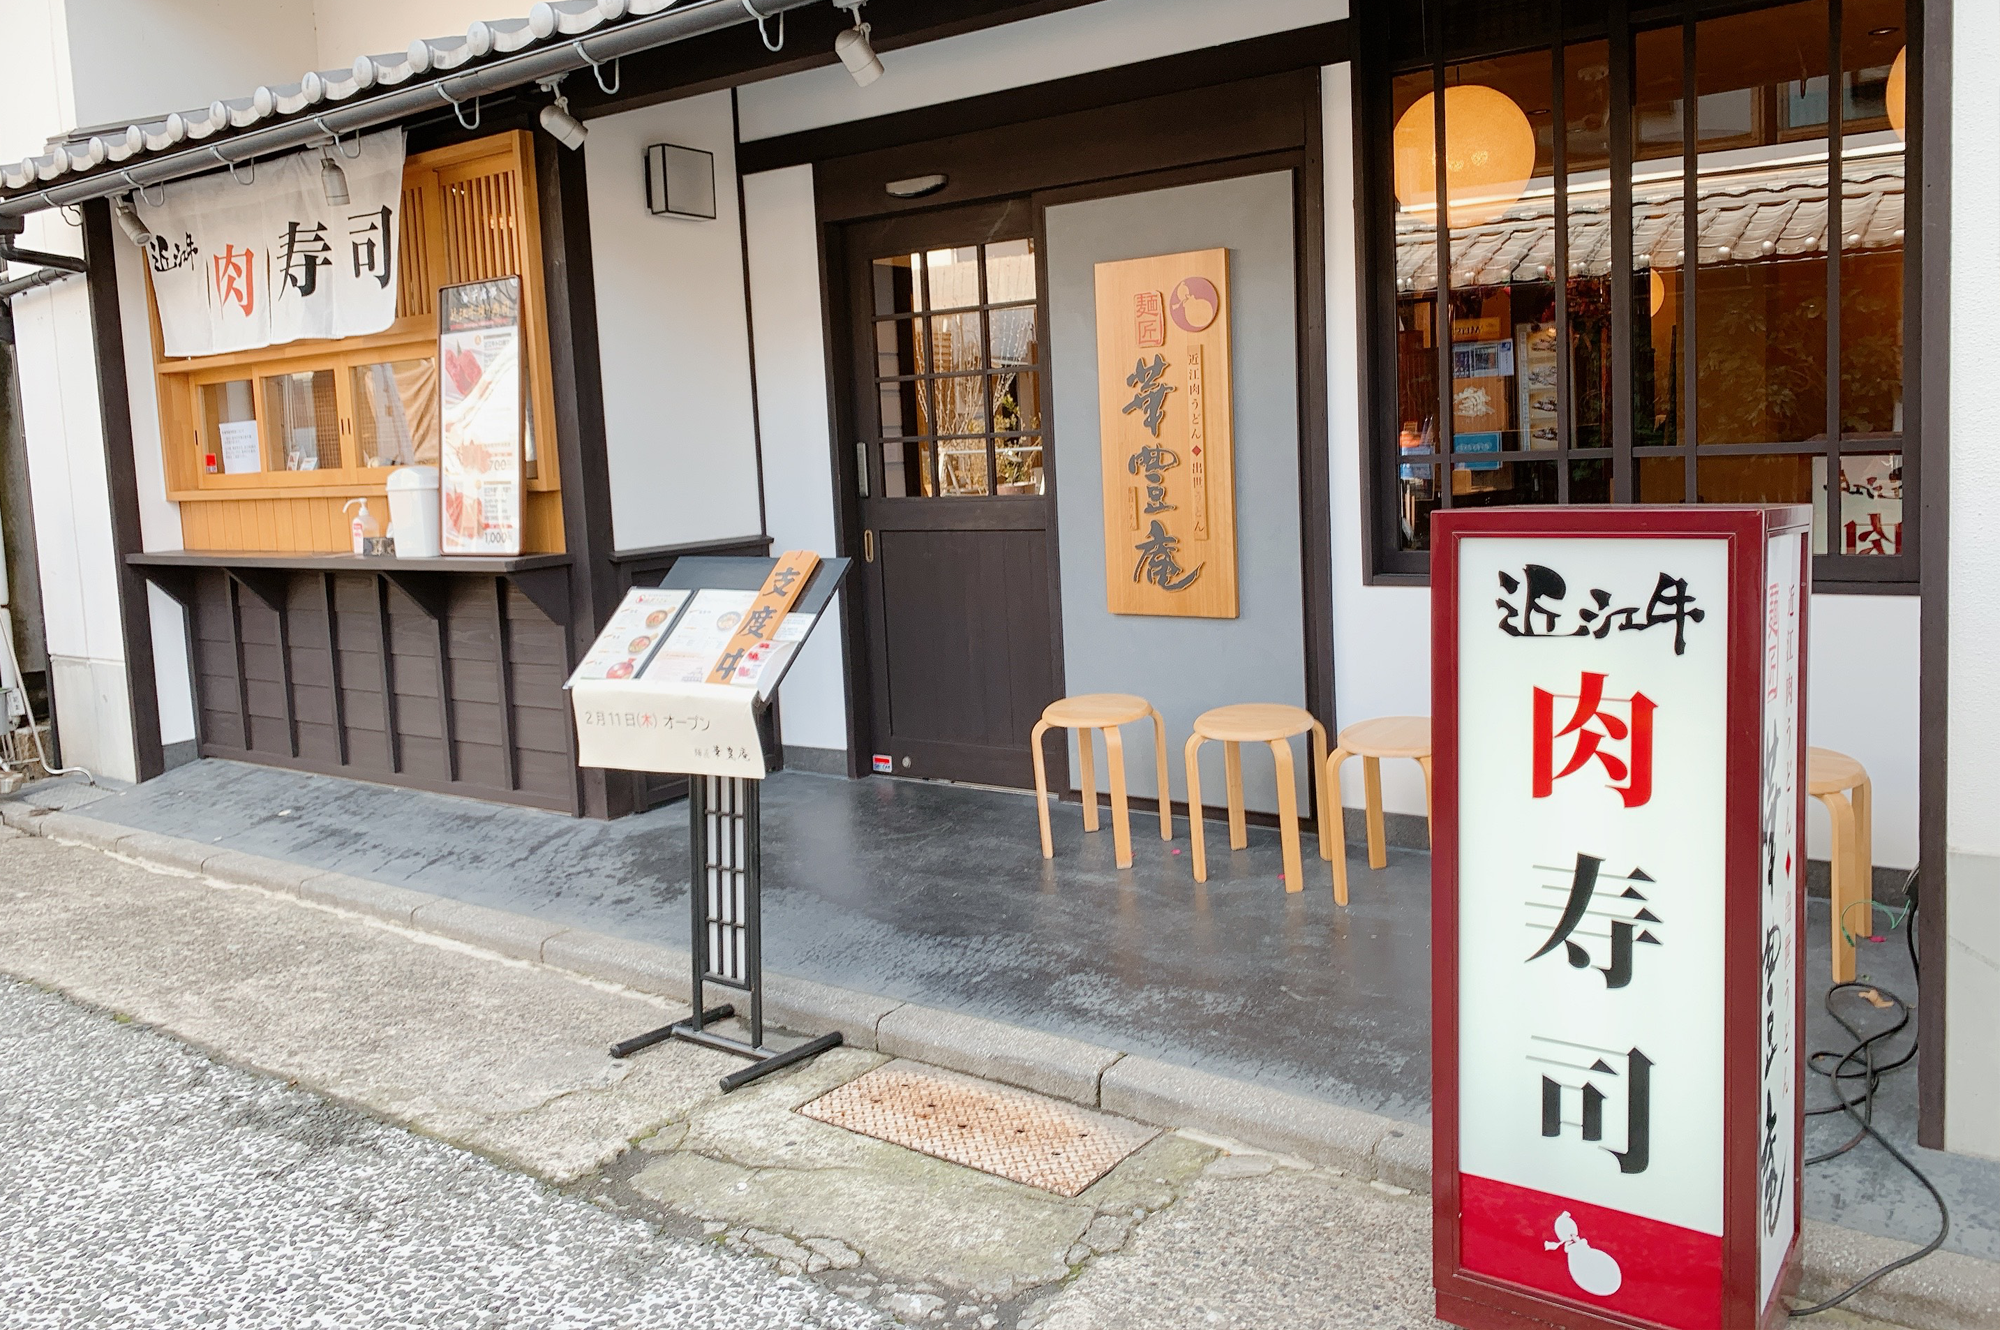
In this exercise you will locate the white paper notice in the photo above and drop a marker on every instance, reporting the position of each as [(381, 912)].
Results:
[(702, 729), (634, 632), (239, 447), (700, 636), (764, 664)]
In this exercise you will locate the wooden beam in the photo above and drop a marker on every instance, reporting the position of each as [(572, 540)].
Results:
[(333, 668)]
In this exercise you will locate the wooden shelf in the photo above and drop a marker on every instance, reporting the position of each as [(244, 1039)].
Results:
[(491, 565)]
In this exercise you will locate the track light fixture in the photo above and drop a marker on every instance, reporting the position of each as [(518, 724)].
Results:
[(854, 48), (565, 128), (128, 222), (332, 180)]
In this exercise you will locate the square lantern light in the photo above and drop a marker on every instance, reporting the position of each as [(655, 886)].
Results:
[(680, 182)]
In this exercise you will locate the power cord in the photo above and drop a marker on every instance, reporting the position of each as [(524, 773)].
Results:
[(35, 730), (1870, 1073)]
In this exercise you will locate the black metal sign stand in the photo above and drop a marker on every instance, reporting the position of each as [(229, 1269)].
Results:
[(725, 927), (725, 860)]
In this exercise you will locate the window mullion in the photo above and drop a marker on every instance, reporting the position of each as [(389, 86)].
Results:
[(1828, 500), (1441, 317), (1690, 260), (1559, 261), (1621, 254)]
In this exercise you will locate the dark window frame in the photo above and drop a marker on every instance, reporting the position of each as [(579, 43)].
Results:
[(1383, 52)]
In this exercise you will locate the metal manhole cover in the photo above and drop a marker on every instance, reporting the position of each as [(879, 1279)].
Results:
[(1014, 1134)]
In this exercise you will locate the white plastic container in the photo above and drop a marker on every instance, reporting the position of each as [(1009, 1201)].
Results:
[(414, 517)]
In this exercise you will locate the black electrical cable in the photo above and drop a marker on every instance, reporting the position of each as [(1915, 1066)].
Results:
[(1862, 1109)]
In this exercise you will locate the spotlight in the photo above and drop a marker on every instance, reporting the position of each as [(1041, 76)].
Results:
[(333, 181), (128, 222), (565, 128), (854, 48)]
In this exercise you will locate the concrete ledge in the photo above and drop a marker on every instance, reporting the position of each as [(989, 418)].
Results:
[(174, 852), (364, 896), (1170, 1096), (251, 869), (1944, 1291), (660, 971), (76, 829), (1047, 1063), (518, 935), (1403, 1156), (814, 1008)]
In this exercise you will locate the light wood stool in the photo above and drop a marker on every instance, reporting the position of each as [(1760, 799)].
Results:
[(1105, 712), (1371, 741), (1256, 722), (1841, 783)]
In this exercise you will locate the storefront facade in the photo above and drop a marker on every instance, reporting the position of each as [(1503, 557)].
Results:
[(883, 344)]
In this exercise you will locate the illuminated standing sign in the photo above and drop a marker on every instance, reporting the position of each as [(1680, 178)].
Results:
[(1619, 746)]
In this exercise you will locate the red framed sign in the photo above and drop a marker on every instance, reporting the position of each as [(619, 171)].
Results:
[(1617, 888)]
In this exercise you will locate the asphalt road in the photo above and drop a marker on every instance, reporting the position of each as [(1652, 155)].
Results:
[(144, 1184)]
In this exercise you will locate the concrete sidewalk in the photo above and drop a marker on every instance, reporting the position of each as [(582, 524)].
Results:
[(408, 1005)]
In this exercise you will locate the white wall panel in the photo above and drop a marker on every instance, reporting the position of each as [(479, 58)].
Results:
[(139, 59), (672, 336), (790, 328), (1036, 50)]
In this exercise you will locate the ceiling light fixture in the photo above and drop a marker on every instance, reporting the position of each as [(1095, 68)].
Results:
[(128, 222), (332, 180), (565, 128), (854, 48)]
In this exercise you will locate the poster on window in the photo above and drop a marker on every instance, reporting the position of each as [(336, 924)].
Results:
[(254, 259), (1166, 435), (482, 408), (1617, 745)]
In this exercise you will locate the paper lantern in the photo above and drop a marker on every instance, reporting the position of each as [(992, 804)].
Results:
[(1892, 93), (1659, 291), (1489, 154)]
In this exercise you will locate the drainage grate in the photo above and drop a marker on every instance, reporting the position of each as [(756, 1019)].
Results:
[(1041, 1142)]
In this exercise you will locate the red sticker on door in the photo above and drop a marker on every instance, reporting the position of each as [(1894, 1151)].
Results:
[(884, 764)]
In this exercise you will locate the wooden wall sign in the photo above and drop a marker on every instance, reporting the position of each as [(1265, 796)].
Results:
[(1163, 376)]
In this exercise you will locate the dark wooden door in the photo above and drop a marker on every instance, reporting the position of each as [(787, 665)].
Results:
[(957, 515)]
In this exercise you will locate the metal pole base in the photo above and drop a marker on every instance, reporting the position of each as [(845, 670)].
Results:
[(625, 1048)]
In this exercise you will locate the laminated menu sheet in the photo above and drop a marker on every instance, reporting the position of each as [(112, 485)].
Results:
[(632, 636), (700, 636)]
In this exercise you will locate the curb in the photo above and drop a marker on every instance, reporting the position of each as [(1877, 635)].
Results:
[(1946, 1291)]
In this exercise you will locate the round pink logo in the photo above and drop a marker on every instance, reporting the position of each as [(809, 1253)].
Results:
[(1194, 304)]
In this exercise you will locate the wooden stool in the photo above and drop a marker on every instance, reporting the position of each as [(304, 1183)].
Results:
[(1371, 741), (1105, 712), (1841, 783), (1256, 722)]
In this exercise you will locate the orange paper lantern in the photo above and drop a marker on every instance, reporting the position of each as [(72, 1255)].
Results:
[(1489, 154)]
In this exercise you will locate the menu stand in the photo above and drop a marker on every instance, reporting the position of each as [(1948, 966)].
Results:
[(725, 851)]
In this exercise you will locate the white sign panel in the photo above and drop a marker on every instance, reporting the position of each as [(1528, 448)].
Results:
[(1592, 706), (702, 729), (1778, 1060), (238, 266)]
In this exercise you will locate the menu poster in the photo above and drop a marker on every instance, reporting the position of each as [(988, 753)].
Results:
[(482, 404), (700, 636), (632, 635)]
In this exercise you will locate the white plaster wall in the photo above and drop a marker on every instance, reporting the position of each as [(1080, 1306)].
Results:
[(35, 95), (790, 331), (349, 28), (1972, 997), (672, 336), (136, 59), (65, 447), (1035, 50)]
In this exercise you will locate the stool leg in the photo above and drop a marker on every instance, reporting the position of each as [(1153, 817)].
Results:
[(1166, 790), (1842, 893), (1327, 803), (1232, 770), (1429, 812), (1194, 808), (1042, 789), (1862, 799), (1121, 822), (1338, 836), (1288, 814), (1086, 767), (1378, 836)]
